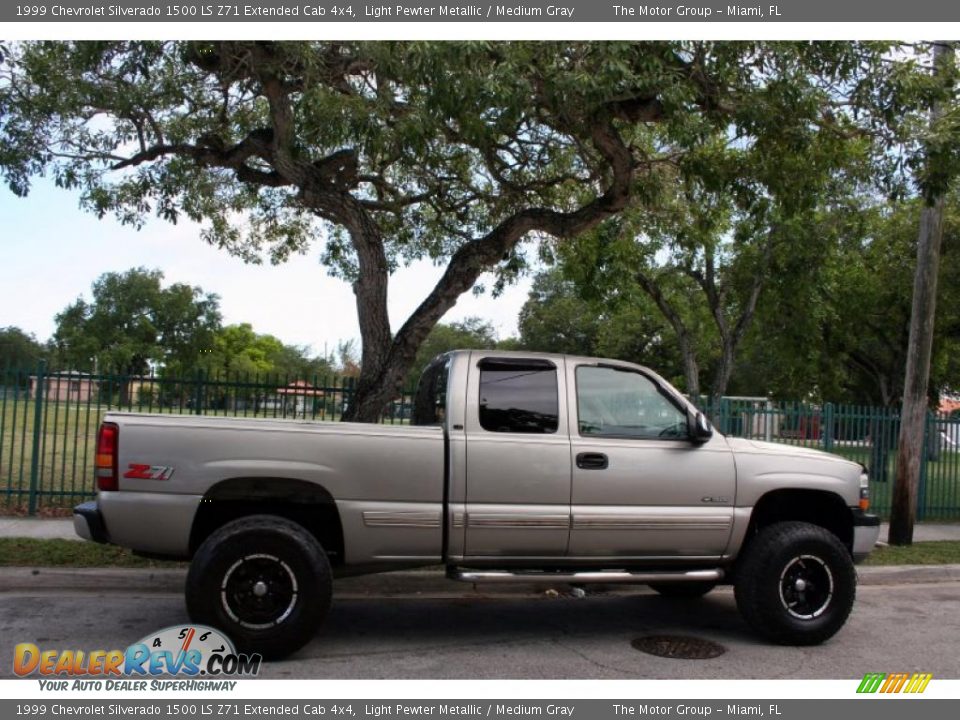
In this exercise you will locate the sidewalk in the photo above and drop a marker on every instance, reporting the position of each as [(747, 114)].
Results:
[(37, 528), (42, 529)]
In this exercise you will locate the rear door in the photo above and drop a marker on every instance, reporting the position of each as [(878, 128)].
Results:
[(518, 458), (641, 488)]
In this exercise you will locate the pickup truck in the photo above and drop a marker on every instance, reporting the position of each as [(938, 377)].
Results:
[(515, 467)]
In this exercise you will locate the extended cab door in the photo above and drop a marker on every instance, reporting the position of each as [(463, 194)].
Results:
[(641, 488), (518, 458)]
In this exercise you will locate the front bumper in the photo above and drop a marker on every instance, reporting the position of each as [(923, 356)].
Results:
[(866, 531), (88, 523)]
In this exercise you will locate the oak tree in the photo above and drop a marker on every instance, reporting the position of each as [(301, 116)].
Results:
[(390, 152)]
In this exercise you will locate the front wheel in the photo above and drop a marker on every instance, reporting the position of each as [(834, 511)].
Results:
[(795, 583), (263, 580)]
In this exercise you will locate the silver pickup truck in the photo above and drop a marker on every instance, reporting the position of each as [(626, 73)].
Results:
[(515, 467)]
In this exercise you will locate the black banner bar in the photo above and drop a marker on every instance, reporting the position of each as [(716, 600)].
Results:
[(819, 11), (227, 708)]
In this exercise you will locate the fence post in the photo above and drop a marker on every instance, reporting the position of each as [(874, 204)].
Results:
[(827, 429), (724, 416), (37, 430), (924, 464), (198, 393)]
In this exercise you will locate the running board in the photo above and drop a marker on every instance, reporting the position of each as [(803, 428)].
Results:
[(598, 576)]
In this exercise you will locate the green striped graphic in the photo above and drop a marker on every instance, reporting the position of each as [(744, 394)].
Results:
[(871, 682)]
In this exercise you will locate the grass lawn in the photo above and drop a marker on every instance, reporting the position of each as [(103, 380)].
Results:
[(24, 552), (943, 552), (67, 440)]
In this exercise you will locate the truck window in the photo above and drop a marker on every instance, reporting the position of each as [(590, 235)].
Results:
[(430, 404), (623, 403), (518, 396)]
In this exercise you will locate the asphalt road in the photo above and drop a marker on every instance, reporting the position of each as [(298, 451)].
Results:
[(894, 628)]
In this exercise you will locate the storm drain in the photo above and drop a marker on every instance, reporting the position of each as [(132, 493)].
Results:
[(679, 647)]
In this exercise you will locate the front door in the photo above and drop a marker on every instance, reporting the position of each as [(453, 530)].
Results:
[(641, 488), (518, 459)]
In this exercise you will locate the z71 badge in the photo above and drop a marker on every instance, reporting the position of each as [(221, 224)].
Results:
[(148, 472)]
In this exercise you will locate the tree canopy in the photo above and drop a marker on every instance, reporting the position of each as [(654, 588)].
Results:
[(19, 349), (132, 322), (453, 151), (237, 352), (468, 334)]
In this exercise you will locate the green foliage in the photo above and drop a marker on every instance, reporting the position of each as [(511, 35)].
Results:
[(455, 151), (473, 333), (448, 138), (19, 349), (837, 322), (563, 316), (237, 352), (133, 321)]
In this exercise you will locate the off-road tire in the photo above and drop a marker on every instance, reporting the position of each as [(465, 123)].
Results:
[(795, 583), (264, 581)]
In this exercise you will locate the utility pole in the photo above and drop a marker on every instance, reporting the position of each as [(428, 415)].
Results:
[(913, 414)]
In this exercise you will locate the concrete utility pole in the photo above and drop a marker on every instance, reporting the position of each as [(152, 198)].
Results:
[(914, 412)]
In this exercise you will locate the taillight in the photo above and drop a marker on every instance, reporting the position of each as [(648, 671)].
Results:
[(864, 491), (106, 463)]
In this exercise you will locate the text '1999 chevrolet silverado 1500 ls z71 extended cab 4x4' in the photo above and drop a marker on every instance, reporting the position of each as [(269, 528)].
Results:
[(516, 466)]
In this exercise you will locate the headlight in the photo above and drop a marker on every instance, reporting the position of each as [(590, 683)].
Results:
[(864, 491)]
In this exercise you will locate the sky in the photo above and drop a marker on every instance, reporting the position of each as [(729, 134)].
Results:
[(51, 252)]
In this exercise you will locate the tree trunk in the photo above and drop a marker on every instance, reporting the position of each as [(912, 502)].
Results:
[(691, 369), (917, 375), (373, 390), (691, 372), (385, 361)]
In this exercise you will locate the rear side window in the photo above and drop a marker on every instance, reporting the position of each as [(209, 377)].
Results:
[(518, 396)]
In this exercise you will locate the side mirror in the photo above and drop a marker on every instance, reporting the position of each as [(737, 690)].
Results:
[(698, 427)]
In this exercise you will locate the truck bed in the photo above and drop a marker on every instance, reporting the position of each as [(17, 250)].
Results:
[(385, 477)]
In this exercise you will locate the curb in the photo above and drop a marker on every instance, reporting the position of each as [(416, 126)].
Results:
[(408, 583)]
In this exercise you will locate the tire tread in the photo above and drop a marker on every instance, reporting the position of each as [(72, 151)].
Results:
[(760, 562)]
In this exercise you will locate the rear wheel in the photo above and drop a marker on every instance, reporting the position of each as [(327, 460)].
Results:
[(795, 583), (265, 581), (684, 590)]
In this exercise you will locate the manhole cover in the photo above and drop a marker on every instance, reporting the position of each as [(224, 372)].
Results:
[(678, 646)]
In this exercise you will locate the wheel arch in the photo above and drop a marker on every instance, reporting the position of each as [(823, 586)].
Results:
[(817, 507), (305, 503)]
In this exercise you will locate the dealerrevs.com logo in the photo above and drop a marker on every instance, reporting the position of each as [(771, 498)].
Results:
[(200, 657)]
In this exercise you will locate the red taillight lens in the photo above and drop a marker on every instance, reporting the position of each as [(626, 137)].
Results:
[(106, 462)]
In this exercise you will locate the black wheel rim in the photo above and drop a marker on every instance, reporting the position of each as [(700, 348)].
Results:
[(806, 587), (259, 591)]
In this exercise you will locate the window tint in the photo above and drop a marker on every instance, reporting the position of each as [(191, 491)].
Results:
[(518, 396), (622, 403)]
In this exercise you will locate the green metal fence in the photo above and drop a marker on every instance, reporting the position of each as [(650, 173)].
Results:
[(49, 421), (865, 434)]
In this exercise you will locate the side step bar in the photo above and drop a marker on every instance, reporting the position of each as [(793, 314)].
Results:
[(593, 576)]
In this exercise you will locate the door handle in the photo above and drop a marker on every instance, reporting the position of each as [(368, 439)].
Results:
[(592, 461)]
